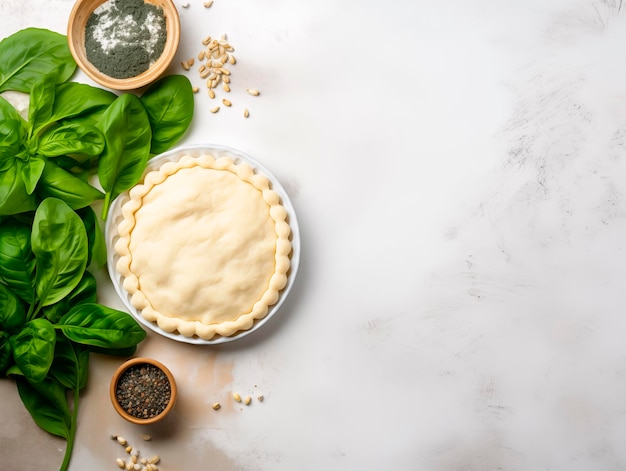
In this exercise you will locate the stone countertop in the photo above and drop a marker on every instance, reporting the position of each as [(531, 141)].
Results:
[(459, 173)]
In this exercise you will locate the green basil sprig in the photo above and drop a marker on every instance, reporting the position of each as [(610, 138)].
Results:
[(49, 316)]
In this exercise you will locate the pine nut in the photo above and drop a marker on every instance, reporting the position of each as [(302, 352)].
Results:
[(216, 406), (246, 113), (211, 93), (215, 110), (146, 437), (260, 398), (208, 4), (247, 400), (232, 59), (226, 87), (121, 441), (155, 459), (253, 92), (237, 397), (227, 103), (120, 463), (194, 89)]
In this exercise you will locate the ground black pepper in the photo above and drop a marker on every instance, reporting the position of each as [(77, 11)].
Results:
[(124, 37), (143, 391)]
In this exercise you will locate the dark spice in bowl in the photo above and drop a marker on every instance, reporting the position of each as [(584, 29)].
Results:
[(143, 391), (124, 37)]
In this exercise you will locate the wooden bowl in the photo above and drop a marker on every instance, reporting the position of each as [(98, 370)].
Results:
[(76, 39), (119, 374)]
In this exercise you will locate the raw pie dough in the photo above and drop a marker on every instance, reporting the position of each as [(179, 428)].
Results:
[(204, 246)]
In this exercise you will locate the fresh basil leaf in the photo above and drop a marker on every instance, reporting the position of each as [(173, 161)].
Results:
[(33, 349), (12, 314), (71, 364), (17, 261), (101, 326), (6, 357), (88, 110), (95, 238), (85, 292), (127, 132), (12, 133), (31, 171), (58, 183), (169, 103), (47, 404), (71, 138), (30, 53), (14, 198), (41, 103), (59, 242)]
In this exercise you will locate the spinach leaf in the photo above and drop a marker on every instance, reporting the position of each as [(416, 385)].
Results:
[(127, 132), (12, 314), (58, 183), (17, 261), (101, 326), (59, 242), (30, 53), (47, 404), (70, 138), (33, 349), (169, 103), (71, 364)]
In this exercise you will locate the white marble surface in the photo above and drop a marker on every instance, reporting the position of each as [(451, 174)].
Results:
[(459, 173)]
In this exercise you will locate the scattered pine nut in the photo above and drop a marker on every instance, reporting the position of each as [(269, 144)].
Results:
[(201, 56), (136, 467), (226, 103), (224, 71), (226, 87), (185, 65), (253, 92), (211, 93), (155, 459), (120, 463), (146, 437), (232, 59), (129, 449), (208, 4), (260, 398), (226, 79), (246, 113), (194, 89), (215, 110), (247, 400), (237, 397), (206, 40), (191, 61), (121, 441), (223, 37), (216, 406)]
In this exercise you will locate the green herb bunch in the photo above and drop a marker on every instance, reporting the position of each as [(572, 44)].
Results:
[(50, 236)]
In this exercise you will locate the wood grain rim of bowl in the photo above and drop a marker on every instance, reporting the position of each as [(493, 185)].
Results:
[(118, 374), (76, 25)]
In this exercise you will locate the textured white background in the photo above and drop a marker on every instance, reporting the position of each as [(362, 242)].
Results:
[(459, 173)]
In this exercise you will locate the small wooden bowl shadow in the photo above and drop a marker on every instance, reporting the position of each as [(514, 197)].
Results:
[(118, 374), (76, 39)]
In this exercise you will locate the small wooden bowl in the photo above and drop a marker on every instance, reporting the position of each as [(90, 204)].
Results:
[(76, 38), (120, 372)]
